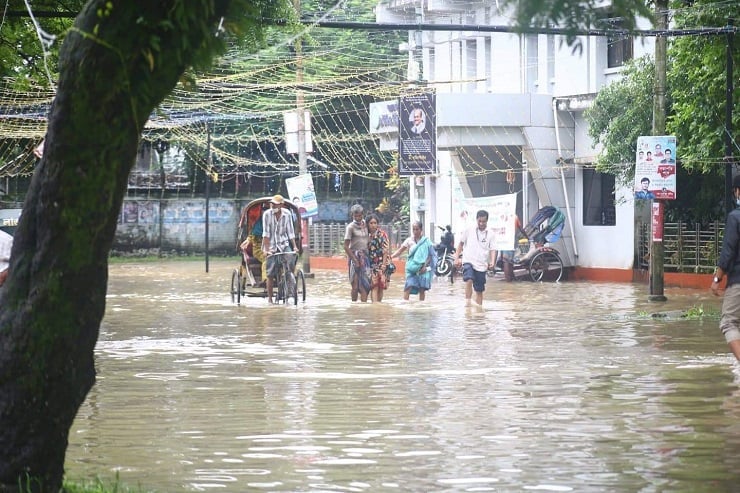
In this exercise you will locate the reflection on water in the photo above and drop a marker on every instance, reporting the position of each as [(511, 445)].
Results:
[(553, 387)]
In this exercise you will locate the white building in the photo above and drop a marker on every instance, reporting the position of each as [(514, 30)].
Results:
[(511, 105)]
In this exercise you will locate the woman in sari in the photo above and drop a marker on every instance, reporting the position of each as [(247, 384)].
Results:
[(355, 246), (418, 264), (378, 248)]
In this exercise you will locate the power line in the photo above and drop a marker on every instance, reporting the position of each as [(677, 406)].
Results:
[(375, 26), (706, 31)]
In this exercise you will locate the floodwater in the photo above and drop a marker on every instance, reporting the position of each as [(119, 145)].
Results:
[(550, 387)]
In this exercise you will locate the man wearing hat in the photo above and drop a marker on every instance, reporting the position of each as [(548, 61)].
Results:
[(278, 235), (729, 266)]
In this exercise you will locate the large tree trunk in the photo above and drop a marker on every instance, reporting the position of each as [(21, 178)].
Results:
[(117, 64)]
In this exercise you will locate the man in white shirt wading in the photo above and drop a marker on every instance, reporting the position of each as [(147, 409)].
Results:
[(478, 255)]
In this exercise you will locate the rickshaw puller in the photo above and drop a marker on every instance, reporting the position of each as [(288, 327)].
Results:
[(278, 236)]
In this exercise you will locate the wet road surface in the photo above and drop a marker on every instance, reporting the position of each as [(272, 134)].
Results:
[(550, 387)]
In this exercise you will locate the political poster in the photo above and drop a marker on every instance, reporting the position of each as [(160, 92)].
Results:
[(655, 167), (417, 135), (301, 193)]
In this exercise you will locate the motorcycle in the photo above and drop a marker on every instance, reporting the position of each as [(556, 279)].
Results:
[(445, 262), (445, 258)]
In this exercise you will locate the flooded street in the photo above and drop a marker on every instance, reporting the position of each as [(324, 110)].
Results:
[(551, 387)]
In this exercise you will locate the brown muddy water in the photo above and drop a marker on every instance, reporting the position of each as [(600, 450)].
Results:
[(550, 387)]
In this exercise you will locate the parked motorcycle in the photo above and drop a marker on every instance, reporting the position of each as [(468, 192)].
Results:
[(444, 261), (445, 251)]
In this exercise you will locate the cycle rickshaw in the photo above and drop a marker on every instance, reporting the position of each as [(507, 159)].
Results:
[(247, 280), (534, 258)]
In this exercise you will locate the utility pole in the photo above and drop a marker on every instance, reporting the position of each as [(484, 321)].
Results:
[(729, 87), (418, 45), (209, 161), (300, 114), (657, 252)]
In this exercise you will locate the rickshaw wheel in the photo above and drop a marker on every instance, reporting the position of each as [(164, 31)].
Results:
[(546, 266), (291, 289), (300, 283), (236, 287)]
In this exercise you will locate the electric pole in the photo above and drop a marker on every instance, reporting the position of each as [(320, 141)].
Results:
[(729, 160), (657, 252), (300, 114)]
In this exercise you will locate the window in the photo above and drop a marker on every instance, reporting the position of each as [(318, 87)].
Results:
[(531, 57), (471, 57), (430, 74), (487, 57), (598, 199), (619, 47), (619, 51)]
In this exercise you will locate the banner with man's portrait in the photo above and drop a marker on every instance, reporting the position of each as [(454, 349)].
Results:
[(655, 167), (417, 135)]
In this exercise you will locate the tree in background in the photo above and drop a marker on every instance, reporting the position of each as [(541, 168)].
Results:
[(27, 44), (622, 112), (116, 64), (573, 16), (697, 83)]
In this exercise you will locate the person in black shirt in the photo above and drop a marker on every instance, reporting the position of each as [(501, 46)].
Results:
[(448, 239)]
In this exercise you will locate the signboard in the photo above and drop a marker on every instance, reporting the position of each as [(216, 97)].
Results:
[(384, 117), (9, 219), (384, 124), (655, 167), (501, 217), (290, 120), (502, 221), (417, 135), (302, 194)]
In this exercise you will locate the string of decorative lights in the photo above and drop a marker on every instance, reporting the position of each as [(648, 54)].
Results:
[(243, 99)]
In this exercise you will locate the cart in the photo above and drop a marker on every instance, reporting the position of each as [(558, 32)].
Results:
[(535, 259), (246, 279)]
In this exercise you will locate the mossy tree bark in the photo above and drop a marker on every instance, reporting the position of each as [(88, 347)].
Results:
[(119, 61)]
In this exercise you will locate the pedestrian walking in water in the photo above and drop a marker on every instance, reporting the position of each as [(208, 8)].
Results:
[(358, 261), (419, 264), (478, 255), (378, 248), (729, 267)]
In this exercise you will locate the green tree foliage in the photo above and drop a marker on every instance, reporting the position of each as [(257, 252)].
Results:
[(22, 53), (620, 114), (576, 15), (622, 111), (696, 113), (697, 84)]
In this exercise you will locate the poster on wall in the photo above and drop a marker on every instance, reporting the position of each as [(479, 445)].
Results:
[(302, 194), (655, 167), (417, 135), (501, 217)]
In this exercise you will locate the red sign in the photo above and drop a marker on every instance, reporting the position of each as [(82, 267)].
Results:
[(656, 222), (666, 170)]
